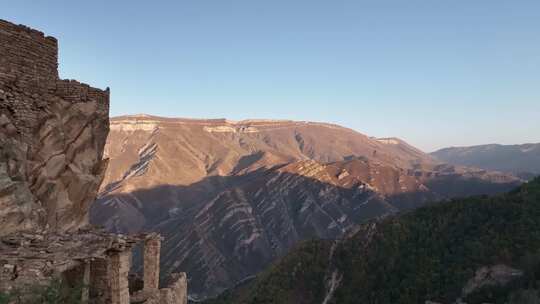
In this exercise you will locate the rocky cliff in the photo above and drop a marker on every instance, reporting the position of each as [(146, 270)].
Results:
[(232, 196), (52, 135)]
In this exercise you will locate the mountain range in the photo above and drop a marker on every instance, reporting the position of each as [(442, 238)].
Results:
[(230, 197), (255, 211), (520, 160)]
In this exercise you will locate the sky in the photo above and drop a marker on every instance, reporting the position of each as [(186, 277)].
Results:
[(434, 73)]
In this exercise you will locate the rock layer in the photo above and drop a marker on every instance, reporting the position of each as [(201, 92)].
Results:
[(52, 134), (230, 197)]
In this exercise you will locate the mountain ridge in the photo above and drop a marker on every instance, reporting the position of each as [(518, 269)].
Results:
[(262, 186), (522, 160)]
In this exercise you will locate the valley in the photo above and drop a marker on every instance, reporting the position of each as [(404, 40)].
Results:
[(472, 250), (231, 197), (338, 201)]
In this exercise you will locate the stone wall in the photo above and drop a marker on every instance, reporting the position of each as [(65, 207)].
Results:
[(88, 257), (175, 293), (28, 56), (52, 134), (120, 263), (99, 281), (152, 250)]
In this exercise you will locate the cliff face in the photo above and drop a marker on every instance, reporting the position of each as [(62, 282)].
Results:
[(231, 197), (52, 135)]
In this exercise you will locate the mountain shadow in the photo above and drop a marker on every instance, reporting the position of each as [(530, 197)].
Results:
[(479, 250), (225, 229)]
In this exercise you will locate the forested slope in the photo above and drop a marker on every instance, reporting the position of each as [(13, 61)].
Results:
[(480, 249)]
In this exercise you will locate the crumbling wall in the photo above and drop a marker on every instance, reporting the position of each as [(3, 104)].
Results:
[(175, 293), (99, 281), (176, 290), (52, 135), (152, 249), (119, 265), (27, 55)]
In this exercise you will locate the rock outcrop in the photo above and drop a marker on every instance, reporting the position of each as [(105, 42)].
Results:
[(52, 134), (497, 275), (52, 138)]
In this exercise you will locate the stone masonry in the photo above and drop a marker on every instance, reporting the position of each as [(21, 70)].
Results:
[(119, 265), (174, 293), (52, 135), (152, 248), (92, 258)]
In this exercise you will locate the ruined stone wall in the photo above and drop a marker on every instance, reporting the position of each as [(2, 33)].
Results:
[(175, 293), (99, 281), (27, 55), (119, 265), (52, 134), (152, 250)]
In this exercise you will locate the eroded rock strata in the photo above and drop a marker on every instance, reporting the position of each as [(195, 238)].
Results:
[(232, 196)]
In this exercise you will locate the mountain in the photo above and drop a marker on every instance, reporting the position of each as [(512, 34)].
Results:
[(477, 250), (230, 197), (520, 160)]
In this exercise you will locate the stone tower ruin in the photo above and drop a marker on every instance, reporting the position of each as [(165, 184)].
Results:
[(52, 135)]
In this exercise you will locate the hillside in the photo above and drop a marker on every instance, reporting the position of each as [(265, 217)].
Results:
[(520, 160), (480, 249), (231, 197)]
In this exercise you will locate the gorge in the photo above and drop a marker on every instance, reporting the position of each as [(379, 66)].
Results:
[(134, 208), (231, 197)]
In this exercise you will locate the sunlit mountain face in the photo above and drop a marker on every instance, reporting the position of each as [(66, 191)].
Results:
[(231, 197)]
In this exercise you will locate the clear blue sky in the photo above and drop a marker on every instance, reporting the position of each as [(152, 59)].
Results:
[(435, 72)]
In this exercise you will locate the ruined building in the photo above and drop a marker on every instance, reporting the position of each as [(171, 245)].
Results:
[(52, 134)]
